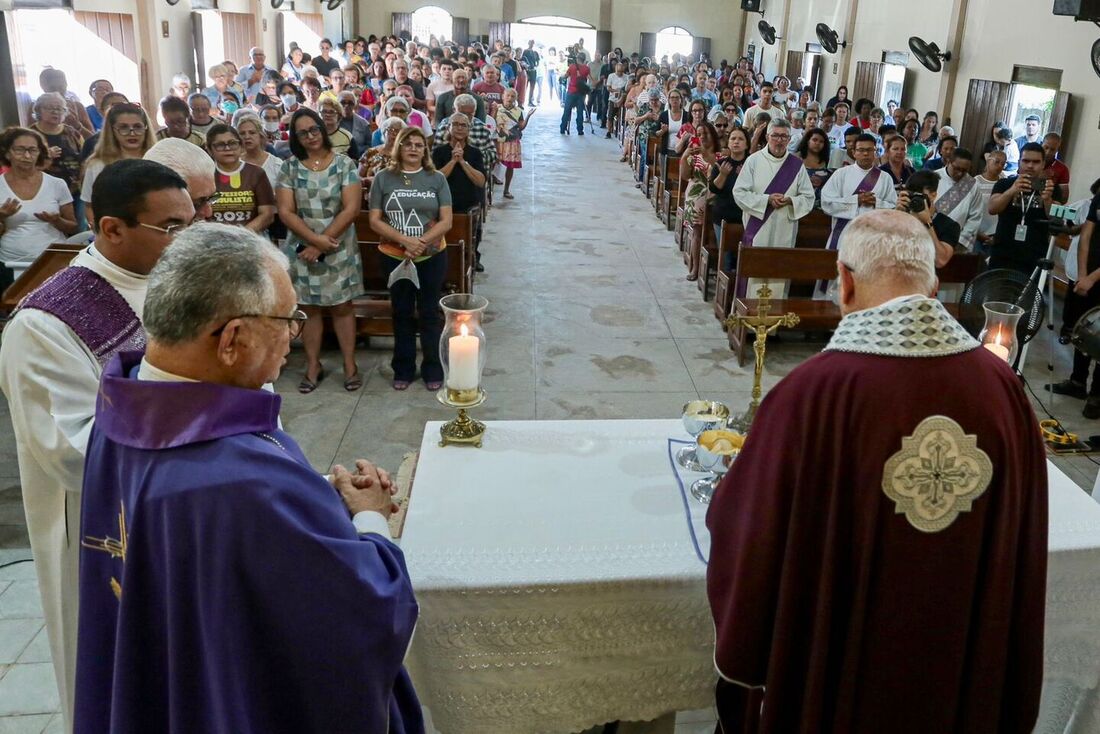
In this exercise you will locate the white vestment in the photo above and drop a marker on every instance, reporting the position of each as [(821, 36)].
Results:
[(838, 197), (967, 213), (51, 380)]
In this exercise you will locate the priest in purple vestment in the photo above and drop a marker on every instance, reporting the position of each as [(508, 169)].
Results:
[(879, 547), (225, 585)]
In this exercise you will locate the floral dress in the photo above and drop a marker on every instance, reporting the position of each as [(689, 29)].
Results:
[(317, 195), (697, 193), (509, 134)]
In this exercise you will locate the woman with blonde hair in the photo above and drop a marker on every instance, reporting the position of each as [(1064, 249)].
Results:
[(510, 125), (126, 133), (378, 157), (410, 209)]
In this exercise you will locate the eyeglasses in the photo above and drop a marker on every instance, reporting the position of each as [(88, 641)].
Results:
[(128, 130), (777, 136), (206, 200), (309, 132), (20, 150), (171, 230), (51, 109), (227, 145), (294, 322), (413, 146), (348, 103)]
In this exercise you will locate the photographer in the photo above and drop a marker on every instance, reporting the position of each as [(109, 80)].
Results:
[(1021, 203), (576, 91), (919, 199)]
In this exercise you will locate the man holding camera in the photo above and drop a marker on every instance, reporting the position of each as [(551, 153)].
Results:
[(919, 199), (575, 92), (1022, 203)]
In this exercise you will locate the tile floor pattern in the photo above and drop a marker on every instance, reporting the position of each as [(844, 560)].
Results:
[(590, 317)]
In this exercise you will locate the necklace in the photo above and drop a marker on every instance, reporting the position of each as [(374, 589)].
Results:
[(315, 164), (405, 175)]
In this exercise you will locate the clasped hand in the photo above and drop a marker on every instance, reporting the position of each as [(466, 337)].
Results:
[(778, 201), (368, 489)]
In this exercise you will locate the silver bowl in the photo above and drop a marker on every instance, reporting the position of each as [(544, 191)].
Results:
[(699, 416), (714, 462)]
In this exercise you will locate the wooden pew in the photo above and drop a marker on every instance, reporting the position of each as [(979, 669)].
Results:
[(673, 190), (652, 145), (723, 278), (812, 264), (659, 186)]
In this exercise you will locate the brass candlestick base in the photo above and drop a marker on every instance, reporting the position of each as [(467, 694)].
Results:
[(463, 430)]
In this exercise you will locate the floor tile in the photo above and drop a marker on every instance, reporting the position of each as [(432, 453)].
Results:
[(38, 651), (28, 689), (16, 635), (21, 600), (33, 724)]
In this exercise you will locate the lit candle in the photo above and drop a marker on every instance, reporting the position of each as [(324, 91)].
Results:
[(463, 350), (997, 348)]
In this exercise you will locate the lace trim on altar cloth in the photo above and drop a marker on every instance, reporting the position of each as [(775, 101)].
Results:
[(921, 327)]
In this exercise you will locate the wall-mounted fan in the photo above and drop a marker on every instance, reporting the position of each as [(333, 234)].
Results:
[(333, 4), (828, 38), (767, 32), (928, 54), (1095, 56), (276, 4)]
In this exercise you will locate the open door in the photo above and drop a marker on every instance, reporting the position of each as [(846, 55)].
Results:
[(794, 65), (647, 45), (700, 45), (402, 22), (868, 83), (1059, 121), (987, 102), (460, 30)]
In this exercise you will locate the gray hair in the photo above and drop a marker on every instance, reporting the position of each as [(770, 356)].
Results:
[(459, 117), (393, 102), (889, 246), (186, 159), (389, 122), (465, 100), (210, 273), (181, 77), (778, 123), (246, 113), (348, 94), (49, 97)]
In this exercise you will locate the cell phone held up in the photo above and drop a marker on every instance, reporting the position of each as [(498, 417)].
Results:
[(301, 246)]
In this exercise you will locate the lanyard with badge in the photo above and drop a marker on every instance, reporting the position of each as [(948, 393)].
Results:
[(1025, 207)]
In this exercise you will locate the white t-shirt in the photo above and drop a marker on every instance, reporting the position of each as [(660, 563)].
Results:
[(674, 125), (25, 235), (616, 83), (91, 171)]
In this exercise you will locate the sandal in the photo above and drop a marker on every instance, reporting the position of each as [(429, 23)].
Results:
[(306, 386), (401, 384), (353, 383), (497, 181), (433, 385), (508, 196)]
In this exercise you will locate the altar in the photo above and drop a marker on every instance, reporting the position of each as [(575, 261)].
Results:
[(560, 572)]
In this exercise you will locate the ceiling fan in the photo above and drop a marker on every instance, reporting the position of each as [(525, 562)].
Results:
[(928, 54), (829, 39)]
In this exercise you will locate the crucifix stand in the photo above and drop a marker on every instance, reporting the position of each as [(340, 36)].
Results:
[(762, 326)]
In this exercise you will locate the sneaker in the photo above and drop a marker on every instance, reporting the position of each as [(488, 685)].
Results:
[(1092, 408), (1070, 387), (580, 132)]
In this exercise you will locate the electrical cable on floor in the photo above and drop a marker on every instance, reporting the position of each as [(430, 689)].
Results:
[(12, 563), (1051, 415)]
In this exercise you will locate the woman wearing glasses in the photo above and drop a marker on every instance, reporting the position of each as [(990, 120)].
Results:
[(319, 196), (64, 141), (246, 197), (126, 134), (36, 209)]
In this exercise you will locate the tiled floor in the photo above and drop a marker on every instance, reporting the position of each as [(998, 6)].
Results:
[(589, 317)]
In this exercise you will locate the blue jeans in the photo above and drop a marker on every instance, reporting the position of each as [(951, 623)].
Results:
[(408, 305), (573, 101)]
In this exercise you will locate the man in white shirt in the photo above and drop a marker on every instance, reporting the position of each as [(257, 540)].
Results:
[(843, 154), (617, 82), (53, 352), (994, 169), (959, 197), (856, 189), (764, 104)]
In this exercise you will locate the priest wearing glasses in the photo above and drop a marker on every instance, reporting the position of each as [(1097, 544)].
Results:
[(225, 585)]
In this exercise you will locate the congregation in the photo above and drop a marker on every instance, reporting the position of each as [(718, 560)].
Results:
[(238, 218)]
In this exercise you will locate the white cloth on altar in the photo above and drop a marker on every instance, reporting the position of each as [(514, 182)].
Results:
[(51, 379), (839, 200), (967, 213)]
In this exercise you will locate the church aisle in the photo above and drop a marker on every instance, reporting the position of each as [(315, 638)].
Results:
[(590, 316)]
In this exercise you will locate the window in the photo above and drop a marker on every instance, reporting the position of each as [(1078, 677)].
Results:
[(673, 40), (552, 31), (431, 21)]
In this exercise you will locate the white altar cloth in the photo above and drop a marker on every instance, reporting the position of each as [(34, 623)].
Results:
[(559, 587)]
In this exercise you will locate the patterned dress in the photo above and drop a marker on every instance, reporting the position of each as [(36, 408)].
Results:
[(317, 195), (510, 150)]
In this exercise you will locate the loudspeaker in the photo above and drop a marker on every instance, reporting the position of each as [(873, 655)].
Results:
[(753, 6), (1087, 10)]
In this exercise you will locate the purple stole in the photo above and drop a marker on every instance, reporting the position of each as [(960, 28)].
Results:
[(865, 186), (782, 181), (93, 309), (954, 195)]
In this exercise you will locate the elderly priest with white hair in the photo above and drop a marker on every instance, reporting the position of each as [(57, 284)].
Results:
[(225, 585), (879, 548), (774, 192)]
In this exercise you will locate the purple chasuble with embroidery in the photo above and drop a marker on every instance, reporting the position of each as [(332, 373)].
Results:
[(223, 586), (93, 309), (879, 547)]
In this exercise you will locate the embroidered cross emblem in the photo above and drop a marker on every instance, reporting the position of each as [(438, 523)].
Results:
[(115, 547), (938, 474)]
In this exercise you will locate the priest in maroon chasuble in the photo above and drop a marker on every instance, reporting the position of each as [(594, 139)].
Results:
[(879, 548), (225, 585)]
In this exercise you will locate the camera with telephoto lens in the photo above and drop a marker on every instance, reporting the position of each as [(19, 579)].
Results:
[(917, 203)]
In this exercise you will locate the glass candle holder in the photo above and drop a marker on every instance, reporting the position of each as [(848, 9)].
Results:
[(462, 347), (999, 333)]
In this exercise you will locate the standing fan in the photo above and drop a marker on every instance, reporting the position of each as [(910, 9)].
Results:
[(767, 32), (928, 54), (1008, 286), (828, 38)]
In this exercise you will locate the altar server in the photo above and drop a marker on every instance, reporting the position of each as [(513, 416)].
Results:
[(53, 352), (773, 191), (878, 551), (856, 189), (225, 585), (960, 198)]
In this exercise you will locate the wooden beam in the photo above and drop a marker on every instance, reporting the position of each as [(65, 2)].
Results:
[(956, 30), (147, 28), (781, 57), (849, 34)]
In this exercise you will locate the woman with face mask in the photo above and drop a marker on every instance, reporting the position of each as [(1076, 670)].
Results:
[(229, 104), (289, 98)]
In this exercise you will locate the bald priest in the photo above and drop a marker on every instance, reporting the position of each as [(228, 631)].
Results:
[(879, 547), (226, 586)]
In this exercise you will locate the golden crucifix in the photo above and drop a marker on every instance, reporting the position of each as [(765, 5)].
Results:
[(762, 326)]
